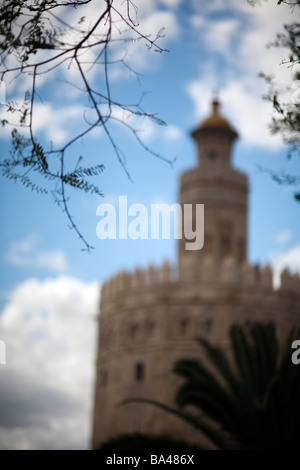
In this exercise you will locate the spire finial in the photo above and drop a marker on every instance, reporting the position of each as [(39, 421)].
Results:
[(215, 101), (215, 94)]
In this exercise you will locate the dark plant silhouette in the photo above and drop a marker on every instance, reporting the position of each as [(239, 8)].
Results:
[(247, 399), (140, 441)]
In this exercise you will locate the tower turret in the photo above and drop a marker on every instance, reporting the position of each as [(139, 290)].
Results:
[(214, 138), (223, 191)]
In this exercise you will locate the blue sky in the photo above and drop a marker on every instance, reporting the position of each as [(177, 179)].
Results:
[(211, 45)]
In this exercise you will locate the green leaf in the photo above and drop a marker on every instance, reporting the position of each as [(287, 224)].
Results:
[(297, 196)]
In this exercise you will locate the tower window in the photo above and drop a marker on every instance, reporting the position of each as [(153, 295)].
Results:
[(212, 155), (226, 230), (183, 326), (103, 378), (225, 246), (133, 331), (241, 249), (139, 371), (149, 328), (208, 324)]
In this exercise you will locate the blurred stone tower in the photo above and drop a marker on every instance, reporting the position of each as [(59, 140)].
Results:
[(149, 319)]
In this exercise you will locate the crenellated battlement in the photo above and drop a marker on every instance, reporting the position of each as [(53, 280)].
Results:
[(227, 272), (290, 281), (139, 277)]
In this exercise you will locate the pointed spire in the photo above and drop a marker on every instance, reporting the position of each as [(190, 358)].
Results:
[(215, 107), (215, 101), (216, 94)]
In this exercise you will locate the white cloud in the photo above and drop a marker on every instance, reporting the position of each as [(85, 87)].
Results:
[(197, 21), (285, 259), (25, 253), (250, 113), (283, 236), (149, 131), (213, 5), (219, 35), (46, 385), (56, 123), (172, 132), (171, 3), (146, 128), (135, 54), (253, 52), (159, 21)]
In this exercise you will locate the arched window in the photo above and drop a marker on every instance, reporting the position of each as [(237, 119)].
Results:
[(133, 331), (212, 155), (246, 319), (149, 328), (208, 324), (139, 371), (226, 233), (183, 326)]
